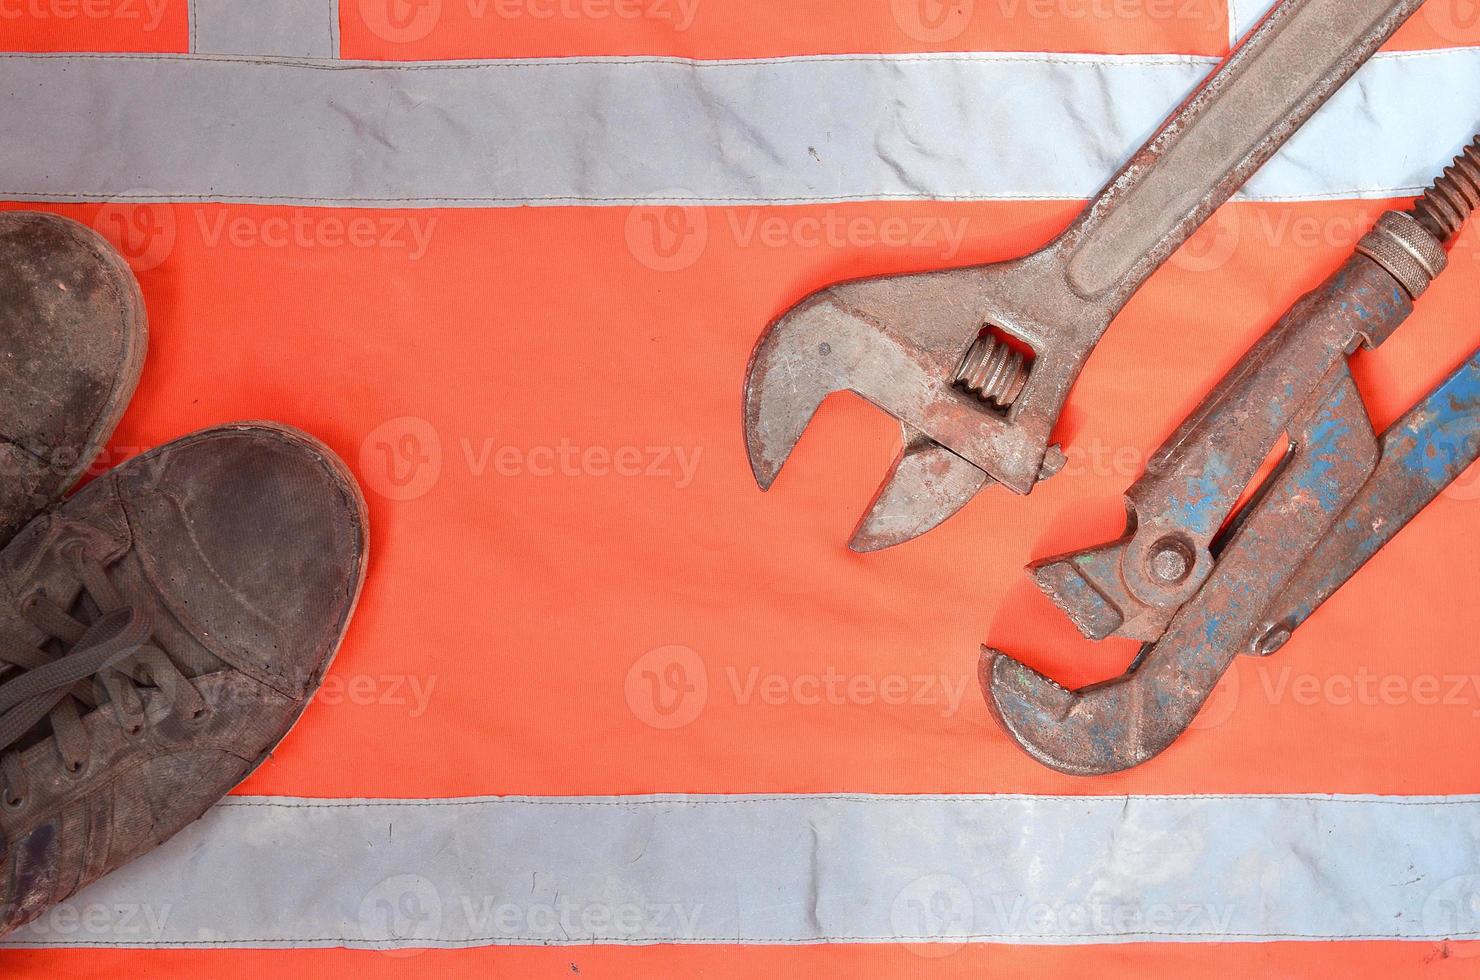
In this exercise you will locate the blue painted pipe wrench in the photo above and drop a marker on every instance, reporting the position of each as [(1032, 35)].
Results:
[(1200, 579)]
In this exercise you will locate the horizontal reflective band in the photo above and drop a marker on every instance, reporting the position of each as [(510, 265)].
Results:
[(1244, 14), (787, 870), (289, 28), (618, 131)]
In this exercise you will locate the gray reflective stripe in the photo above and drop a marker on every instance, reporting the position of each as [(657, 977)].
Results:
[(794, 869), (1244, 14), (616, 131), (285, 28)]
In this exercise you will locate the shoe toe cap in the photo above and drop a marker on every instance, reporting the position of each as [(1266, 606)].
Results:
[(255, 537)]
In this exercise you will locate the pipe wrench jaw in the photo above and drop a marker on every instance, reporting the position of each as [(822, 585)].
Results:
[(1127, 721)]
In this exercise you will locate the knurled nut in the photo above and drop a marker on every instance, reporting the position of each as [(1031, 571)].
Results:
[(1406, 250)]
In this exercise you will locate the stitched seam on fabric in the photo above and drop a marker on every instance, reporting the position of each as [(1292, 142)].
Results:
[(1087, 61), (1360, 193), (1118, 800), (1048, 58), (502, 940)]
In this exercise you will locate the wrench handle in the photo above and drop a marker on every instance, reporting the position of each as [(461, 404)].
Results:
[(1272, 83), (1423, 453)]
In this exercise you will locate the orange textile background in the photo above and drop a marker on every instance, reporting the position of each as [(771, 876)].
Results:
[(577, 589)]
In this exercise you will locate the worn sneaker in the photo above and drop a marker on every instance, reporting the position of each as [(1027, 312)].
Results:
[(72, 343), (160, 632)]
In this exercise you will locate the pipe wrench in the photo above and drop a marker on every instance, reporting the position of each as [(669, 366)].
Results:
[(1201, 580)]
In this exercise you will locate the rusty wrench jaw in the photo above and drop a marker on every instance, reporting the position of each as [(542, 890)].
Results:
[(1339, 497), (976, 364)]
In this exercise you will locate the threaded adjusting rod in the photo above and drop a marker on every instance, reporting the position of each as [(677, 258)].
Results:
[(993, 371), (1411, 244), (1453, 197)]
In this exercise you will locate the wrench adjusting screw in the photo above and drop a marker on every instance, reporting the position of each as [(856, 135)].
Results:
[(993, 370)]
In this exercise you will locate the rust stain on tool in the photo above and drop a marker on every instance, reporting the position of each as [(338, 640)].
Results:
[(1201, 585), (977, 363)]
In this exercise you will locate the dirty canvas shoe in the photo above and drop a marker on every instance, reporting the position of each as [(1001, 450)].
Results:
[(160, 632), (72, 343)]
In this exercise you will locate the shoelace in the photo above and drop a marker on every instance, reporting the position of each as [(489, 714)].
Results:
[(113, 648)]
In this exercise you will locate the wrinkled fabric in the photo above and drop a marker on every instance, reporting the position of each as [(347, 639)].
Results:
[(585, 625)]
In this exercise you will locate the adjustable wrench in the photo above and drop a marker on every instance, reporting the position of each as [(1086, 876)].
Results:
[(1201, 590), (976, 363)]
